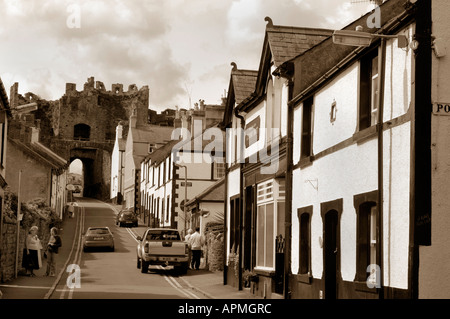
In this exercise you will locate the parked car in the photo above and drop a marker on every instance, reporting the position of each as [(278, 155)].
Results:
[(162, 246), (126, 217), (98, 237)]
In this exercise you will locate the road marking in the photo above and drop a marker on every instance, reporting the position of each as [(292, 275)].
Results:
[(78, 255), (78, 235), (53, 288)]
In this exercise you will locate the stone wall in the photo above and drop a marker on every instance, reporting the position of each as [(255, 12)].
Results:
[(214, 244), (9, 245)]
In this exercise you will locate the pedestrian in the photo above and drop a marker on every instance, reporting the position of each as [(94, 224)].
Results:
[(197, 241), (52, 249), (32, 259), (187, 240)]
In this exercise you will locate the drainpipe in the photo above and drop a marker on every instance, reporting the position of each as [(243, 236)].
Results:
[(225, 220), (288, 183), (241, 180), (380, 107)]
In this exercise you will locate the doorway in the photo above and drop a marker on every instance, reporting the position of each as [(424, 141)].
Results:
[(331, 253)]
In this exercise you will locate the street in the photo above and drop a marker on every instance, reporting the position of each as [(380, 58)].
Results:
[(103, 274)]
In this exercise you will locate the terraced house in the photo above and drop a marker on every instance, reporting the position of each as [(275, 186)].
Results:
[(360, 165), (255, 198)]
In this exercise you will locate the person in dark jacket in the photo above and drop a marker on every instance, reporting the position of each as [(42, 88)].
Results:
[(52, 249)]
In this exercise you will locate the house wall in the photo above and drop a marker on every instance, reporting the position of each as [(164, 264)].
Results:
[(346, 165), (434, 273), (36, 177)]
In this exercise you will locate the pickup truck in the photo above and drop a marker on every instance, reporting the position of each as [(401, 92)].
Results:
[(162, 246)]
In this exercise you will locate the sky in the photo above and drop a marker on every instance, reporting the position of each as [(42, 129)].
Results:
[(180, 49)]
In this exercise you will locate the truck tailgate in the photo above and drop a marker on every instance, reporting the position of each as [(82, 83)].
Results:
[(166, 248)]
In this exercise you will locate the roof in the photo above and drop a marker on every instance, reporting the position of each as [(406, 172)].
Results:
[(164, 151), (42, 153), (151, 133), (4, 98), (214, 193), (243, 82), (281, 43), (287, 42), (241, 86), (326, 59)]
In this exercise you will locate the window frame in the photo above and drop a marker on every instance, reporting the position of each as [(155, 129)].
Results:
[(301, 212), (365, 94), (364, 204)]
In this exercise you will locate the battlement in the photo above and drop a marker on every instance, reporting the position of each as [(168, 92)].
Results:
[(90, 85)]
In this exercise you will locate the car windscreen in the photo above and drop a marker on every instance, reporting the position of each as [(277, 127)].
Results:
[(163, 235), (127, 214), (98, 231)]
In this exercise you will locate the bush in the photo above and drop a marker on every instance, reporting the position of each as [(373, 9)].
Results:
[(33, 211)]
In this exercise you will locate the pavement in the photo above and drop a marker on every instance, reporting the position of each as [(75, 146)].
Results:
[(207, 284)]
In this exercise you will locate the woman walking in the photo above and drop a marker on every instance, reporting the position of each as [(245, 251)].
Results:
[(52, 249), (32, 252)]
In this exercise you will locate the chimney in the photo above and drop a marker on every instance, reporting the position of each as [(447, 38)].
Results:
[(119, 131)]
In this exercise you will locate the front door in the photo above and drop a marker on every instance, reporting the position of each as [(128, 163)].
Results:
[(331, 253)]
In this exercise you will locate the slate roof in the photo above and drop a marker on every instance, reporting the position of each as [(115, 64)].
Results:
[(288, 42), (320, 63), (4, 98), (213, 193), (151, 133), (41, 153), (281, 44), (243, 82)]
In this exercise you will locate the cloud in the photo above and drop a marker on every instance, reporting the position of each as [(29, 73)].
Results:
[(181, 49)]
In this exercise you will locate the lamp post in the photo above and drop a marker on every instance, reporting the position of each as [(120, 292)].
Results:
[(185, 194)]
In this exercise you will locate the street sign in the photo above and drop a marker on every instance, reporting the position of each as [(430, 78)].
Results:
[(441, 108), (189, 184)]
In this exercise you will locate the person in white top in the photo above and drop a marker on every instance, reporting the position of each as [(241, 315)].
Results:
[(197, 241), (186, 239), (32, 252)]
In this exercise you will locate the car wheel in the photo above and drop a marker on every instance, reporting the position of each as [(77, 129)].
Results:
[(120, 224), (144, 267), (85, 249), (112, 248), (138, 263), (136, 224)]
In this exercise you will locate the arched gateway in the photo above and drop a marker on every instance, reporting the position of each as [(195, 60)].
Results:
[(81, 125)]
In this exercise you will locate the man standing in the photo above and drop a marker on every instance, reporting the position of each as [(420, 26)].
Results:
[(197, 241)]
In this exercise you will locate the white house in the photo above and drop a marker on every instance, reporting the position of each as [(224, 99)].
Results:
[(352, 164), (255, 213), (165, 187), (117, 165), (141, 141)]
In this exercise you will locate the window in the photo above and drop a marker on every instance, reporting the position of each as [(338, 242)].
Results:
[(234, 224), (368, 91), (219, 170), (367, 245), (304, 217), (168, 209), (269, 213), (306, 128), (81, 132)]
